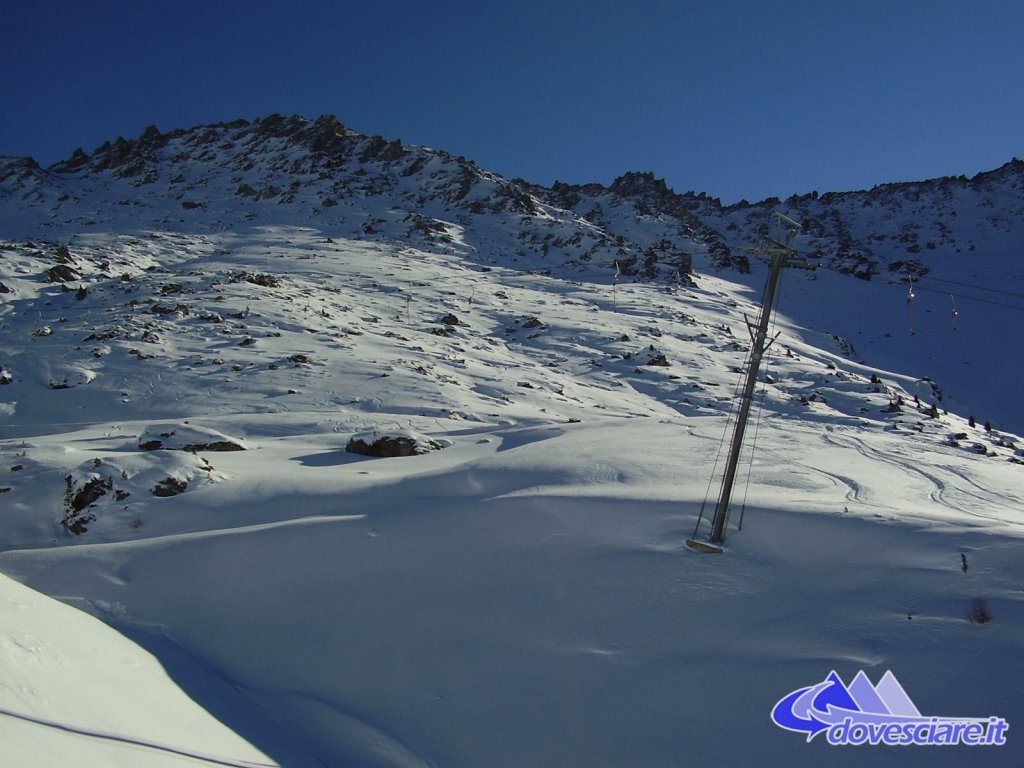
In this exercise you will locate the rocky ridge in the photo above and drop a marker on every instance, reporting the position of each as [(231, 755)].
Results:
[(219, 176)]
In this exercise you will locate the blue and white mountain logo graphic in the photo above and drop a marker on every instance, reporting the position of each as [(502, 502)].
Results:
[(862, 713)]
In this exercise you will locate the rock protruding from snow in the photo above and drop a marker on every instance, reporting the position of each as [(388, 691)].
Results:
[(116, 488), (186, 437), (390, 444)]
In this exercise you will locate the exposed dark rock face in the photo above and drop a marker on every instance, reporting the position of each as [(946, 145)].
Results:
[(387, 446), (637, 227)]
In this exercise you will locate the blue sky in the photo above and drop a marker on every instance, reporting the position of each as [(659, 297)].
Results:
[(735, 98)]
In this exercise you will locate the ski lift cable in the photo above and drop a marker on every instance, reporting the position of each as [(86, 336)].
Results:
[(966, 298), (972, 285)]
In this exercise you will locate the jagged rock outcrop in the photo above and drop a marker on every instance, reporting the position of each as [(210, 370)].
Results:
[(291, 168)]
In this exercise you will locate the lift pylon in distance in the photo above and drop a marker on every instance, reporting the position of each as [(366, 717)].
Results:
[(777, 250)]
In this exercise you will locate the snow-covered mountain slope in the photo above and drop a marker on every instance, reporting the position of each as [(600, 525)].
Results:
[(955, 243), (195, 324), (288, 168), (74, 692), (958, 238)]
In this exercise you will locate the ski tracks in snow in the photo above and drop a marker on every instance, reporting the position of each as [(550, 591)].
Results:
[(958, 492)]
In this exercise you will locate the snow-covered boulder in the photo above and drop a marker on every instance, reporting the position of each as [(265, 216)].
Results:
[(186, 437), (400, 442), (113, 489)]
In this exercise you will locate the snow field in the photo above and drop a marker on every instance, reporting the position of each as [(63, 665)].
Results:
[(467, 606)]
